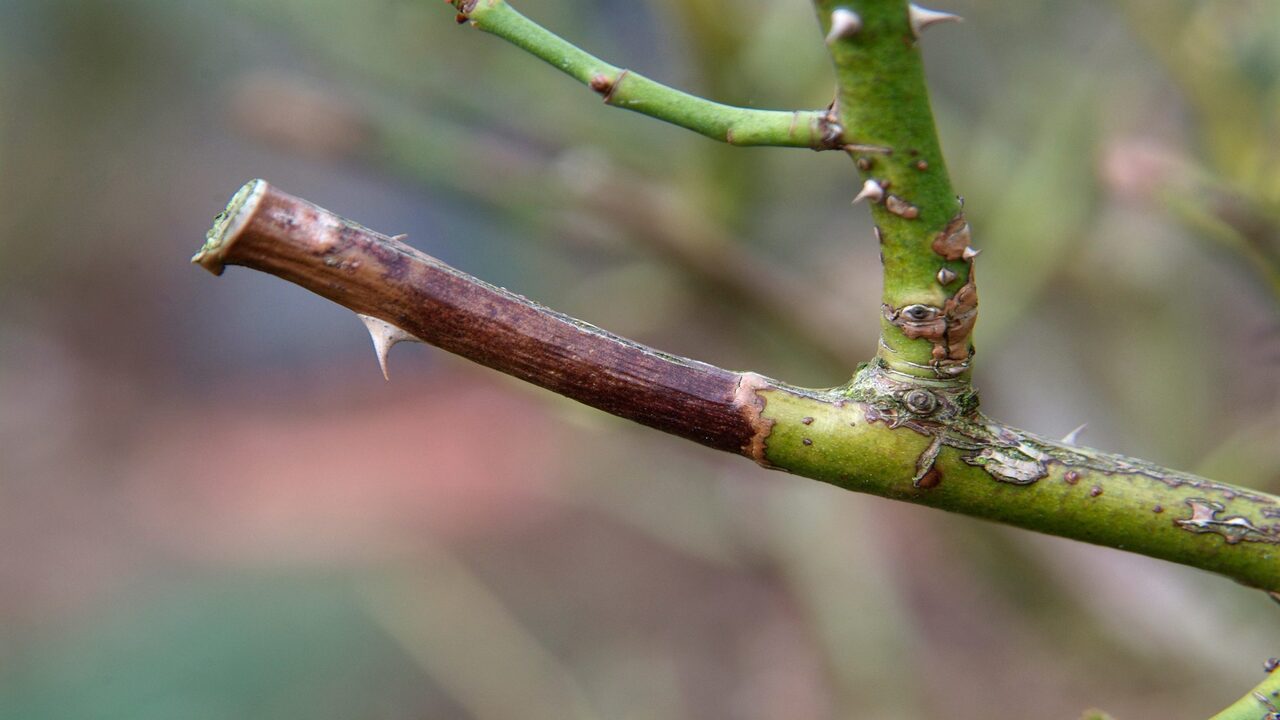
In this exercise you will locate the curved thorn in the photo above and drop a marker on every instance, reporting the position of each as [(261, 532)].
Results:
[(845, 23), (871, 191), (969, 253), (1073, 437), (384, 336), (922, 18)]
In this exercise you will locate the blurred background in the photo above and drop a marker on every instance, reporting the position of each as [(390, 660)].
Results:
[(213, 506)]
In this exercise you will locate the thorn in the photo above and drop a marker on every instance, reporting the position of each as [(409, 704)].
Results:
[(945, 276), (385, 336), (845, 23), (922, 18), (969, 253), (1073, 437), (401, 237), (871, 191)]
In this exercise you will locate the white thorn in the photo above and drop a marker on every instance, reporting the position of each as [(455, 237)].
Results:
[(384, 335), (871, 191), (969, 253), (945, 276), (1073, 437), (922, 18), (845, 23), (401, 237)]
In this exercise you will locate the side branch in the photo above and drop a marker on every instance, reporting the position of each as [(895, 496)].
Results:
[(886, 434), (814, 129), (930, 297)]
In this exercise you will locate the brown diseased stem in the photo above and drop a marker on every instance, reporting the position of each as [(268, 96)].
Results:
[(375, 275)]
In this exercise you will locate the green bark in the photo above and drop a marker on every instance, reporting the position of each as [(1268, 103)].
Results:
[(865, 437), (883, 106)]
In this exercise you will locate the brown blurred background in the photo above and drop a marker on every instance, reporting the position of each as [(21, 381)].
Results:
[(213, 506)]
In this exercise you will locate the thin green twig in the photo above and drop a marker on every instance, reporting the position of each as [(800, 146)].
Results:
[(621, 88)]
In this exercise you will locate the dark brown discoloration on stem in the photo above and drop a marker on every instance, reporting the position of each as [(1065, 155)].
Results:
[(954, 238), (375, 275), (961, 312), (612, 86), (602, 84), (931, 479), (750, 404)]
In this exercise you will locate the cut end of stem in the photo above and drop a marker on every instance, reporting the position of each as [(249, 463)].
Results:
[(228, 224)]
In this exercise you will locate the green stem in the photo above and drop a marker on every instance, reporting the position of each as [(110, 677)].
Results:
[(923, 442), (632, 91), (883, 102)]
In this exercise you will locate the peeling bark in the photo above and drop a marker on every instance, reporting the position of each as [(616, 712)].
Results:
[(954, 238), (947, 328), (1204, 519)]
